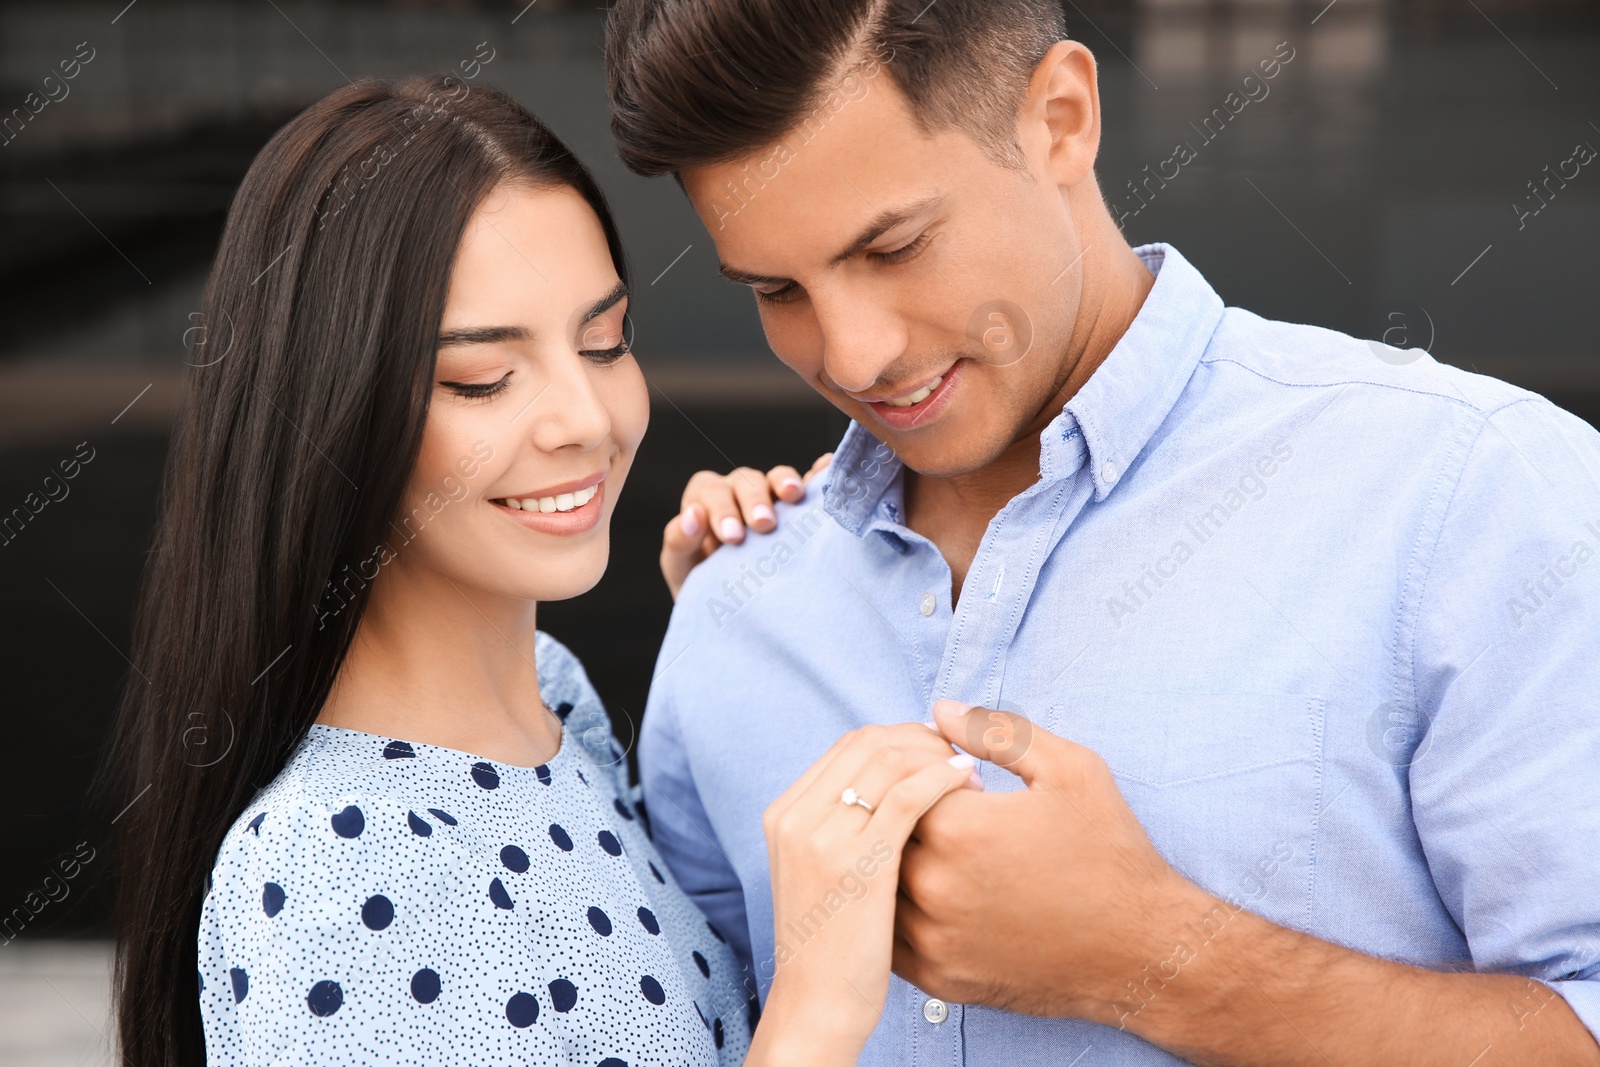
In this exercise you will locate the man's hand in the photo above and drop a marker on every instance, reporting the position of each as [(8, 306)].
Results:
[(1051, 901), (1040, 901)]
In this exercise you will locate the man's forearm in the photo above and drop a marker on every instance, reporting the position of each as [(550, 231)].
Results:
[(1254, 994)]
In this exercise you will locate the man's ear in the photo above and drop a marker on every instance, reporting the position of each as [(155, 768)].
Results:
[(1059, 120)]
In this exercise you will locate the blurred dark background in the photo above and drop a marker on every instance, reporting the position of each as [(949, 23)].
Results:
[(1381, 188)]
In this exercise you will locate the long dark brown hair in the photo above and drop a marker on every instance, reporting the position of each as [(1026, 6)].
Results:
[(314, 359)]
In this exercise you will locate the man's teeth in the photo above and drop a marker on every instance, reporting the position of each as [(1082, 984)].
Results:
[(547, 504), (917, 397)]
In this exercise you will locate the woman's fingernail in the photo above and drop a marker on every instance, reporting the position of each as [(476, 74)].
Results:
[(689, 523), (932, 726), (975, 782), (762, 513), (789, 484), (730, 529), (962, 761)]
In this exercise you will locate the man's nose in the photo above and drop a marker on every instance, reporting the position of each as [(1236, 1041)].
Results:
[(861, 338)]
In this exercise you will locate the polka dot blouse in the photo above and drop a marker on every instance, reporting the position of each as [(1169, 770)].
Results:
[(385, 902)]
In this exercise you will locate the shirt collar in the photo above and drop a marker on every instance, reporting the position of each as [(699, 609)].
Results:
[(1117, 411), (1131, 394)]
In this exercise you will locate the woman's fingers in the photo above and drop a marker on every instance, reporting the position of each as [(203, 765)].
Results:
[(754, 494), (820, 465), (683, 546), (897, 812), (786, 484), (869, 760), (717, 509)]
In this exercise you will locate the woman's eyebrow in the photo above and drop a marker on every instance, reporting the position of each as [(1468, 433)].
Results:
[(607, 302), (481, 335)]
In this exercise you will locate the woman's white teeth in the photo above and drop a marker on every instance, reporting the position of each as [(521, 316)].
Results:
[(547, 504), (917, 397)]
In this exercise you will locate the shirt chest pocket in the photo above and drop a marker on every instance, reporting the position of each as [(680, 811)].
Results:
[(1227, 785)]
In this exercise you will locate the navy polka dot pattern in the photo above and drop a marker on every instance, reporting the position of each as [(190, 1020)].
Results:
[(387, 901)]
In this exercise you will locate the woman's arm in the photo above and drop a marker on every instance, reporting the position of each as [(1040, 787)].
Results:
[(835, 872)]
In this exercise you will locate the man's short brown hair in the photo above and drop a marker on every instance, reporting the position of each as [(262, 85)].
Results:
[(696, 82)]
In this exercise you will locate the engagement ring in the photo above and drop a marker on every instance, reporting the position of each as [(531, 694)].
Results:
[(850, 796)]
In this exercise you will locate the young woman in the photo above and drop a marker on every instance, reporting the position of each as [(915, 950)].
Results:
[(375, 816)]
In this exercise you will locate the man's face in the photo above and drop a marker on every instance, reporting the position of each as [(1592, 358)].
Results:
[(886, 261)]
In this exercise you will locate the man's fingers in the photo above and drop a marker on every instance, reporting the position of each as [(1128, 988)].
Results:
[(1003, 738)]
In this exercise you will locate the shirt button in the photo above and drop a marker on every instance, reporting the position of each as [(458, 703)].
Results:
[(928, 604), (1108, 472), (935, 1011)]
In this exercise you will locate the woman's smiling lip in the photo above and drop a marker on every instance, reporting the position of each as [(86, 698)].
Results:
[(581, 518), (580, 515), (557, 490)]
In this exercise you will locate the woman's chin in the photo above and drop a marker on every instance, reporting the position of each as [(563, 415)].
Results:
[(559, 576)]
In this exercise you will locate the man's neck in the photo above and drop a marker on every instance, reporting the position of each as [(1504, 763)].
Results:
[(955, 512)]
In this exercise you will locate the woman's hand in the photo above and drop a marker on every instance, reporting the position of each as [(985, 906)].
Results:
[(835, 873), (716, 508)]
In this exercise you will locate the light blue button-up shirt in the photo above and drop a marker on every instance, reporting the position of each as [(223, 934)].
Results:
[(1330, 610)]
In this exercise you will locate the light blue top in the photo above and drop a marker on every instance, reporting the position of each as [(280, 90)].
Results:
[(383, 902), (1330, 611)]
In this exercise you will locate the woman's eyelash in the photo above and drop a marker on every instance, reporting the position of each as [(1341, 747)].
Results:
[(476, 390), (607, 356)]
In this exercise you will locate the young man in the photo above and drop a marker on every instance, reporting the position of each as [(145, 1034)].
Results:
[(1320, 624)]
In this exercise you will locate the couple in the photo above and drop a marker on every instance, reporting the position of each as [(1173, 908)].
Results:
[(1318, 616)]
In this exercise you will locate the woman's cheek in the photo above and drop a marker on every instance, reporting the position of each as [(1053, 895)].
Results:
[(630, 404)]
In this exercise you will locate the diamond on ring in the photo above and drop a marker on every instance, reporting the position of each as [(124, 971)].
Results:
[(850, 796)]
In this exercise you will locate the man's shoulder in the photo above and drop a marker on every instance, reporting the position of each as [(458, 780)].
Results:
[(1313, 358), (766, 575)]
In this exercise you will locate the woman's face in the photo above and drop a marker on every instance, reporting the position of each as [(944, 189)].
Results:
[(537, 406)]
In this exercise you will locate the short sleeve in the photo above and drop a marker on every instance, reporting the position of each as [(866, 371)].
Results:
[(335, 934), (1506, 670)]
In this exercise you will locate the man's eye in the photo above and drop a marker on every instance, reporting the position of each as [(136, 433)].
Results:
[(789, 292), (479, 389), (903, 253)]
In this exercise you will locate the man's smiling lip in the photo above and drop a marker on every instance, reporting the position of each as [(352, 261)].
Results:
[(925, 410), (902, 394)]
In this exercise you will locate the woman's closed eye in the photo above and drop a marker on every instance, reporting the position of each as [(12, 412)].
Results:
[(479, 390), (606, 356)]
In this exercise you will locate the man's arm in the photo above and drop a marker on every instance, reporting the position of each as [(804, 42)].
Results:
[(1258, 993)]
